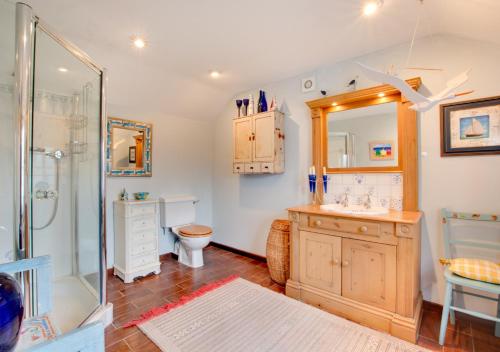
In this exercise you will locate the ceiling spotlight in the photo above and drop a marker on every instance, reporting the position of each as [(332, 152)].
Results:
[(138, 42), (380, 95), (334, 104), (62, 69), (214, 74), (371, 7)]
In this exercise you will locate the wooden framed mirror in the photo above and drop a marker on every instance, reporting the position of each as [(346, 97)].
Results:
[(371, 130), (129, 148)]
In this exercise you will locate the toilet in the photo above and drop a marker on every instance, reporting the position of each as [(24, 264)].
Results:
[(177, 214)]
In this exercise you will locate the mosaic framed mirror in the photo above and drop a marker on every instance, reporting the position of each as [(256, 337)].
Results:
[(129, 148)]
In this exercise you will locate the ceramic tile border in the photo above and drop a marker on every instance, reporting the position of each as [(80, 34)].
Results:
[(385, 189)]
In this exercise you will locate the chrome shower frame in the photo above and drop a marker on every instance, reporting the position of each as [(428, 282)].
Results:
[(26, 23)]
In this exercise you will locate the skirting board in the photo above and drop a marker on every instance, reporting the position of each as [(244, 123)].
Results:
[(239, 251)]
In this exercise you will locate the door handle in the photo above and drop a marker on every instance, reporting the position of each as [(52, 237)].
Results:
[(345, 263)]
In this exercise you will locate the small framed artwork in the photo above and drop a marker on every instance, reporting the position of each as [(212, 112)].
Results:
[(471, 127), (131, 155), (381, 150)]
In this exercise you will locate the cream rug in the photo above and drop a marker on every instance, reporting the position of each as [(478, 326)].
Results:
[(237, 315)]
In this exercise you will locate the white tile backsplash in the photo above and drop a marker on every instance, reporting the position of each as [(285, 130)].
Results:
[(386, 189)]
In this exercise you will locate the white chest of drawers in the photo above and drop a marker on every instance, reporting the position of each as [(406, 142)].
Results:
[(136, 239)]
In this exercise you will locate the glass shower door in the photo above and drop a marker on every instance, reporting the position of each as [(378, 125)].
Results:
[(7, 43), (65, 179)]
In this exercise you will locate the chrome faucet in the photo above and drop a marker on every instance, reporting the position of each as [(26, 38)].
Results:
[(368, 201), (345, 201)]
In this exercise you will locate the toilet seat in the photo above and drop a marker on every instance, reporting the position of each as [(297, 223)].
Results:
[(195, 231)]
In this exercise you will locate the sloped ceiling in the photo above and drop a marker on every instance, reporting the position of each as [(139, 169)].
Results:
[(250, 42)]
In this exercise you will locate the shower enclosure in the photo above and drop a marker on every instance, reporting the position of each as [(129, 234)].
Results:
[(53, 120)]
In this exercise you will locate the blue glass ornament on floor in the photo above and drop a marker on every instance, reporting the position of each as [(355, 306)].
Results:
[(11, 312)]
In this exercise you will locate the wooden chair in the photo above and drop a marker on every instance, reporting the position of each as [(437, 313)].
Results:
[(454, 283), (88, 338)]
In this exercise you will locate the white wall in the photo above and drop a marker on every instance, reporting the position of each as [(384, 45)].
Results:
[(244, 206), (182, 164)]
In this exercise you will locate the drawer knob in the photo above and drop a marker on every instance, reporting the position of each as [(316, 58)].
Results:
[(345, 263), (335, 262), (317, 223), (363, 228), (405, 229)]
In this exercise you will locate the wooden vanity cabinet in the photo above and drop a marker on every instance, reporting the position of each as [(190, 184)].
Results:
[(369, 273), (366, 269), (320, 257), (258, 143)]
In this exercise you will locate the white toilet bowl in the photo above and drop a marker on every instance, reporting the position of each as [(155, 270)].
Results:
[(193, 238)]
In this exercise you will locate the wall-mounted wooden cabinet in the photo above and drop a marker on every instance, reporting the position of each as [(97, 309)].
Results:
[(258, 143)]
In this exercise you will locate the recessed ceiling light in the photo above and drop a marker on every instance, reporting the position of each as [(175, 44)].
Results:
[(62, 69), (138, 42), (214, 74), (334, 104), (380, 95), (371, 7)]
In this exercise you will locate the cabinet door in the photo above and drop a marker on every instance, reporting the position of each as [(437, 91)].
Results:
[(369, 273), (320, 261), (242, 144), (263, 147)]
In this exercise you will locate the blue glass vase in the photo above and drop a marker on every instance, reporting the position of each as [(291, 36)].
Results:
[(11, 312), (262, 106)]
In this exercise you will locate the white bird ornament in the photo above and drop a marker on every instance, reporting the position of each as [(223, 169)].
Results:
[(420, 102)]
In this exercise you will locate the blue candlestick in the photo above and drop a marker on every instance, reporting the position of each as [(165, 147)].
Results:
[(325, 183)]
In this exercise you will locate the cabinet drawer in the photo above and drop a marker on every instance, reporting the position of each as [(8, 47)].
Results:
[(238, 168), (142, 248), (141, 223), (144, 259), (267, 168), (141, 210), (252, 168), (359, 227), (141, 237)]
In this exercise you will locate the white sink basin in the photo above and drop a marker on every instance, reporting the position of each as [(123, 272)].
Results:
[(354, 209)]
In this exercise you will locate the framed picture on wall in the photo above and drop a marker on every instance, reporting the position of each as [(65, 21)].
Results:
[(131, 155), (471, 127), (381, 150)]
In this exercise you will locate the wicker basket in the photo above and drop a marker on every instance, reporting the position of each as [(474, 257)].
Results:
[(278, 251)]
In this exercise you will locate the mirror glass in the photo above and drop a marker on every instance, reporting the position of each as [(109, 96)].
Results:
[(127, 148), (363, 137)]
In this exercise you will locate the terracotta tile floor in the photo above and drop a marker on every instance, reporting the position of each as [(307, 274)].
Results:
[(176, 280)]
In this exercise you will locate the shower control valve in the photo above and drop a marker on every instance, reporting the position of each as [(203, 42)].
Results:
[(46, 194)]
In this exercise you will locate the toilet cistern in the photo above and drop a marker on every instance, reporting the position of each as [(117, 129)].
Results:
[(178, 214)]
